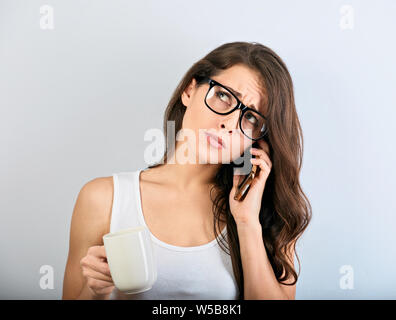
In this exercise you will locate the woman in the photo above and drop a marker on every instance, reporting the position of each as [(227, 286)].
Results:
[(210, 246)]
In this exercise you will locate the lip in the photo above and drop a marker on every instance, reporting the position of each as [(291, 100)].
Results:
[(217, 138)]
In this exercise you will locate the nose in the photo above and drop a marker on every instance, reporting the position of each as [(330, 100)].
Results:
[(230, 122)]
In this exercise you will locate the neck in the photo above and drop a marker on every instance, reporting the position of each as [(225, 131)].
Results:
[(189, 176)]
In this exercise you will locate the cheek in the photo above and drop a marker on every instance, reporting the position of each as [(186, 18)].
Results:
[(238, 145), (245, 144), (198, 116)]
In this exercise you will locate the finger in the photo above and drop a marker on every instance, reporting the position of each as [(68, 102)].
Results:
[(105, 291), (259, 152), (98, 251), (90, 273), (99, 284), (97, 265), (262, 155), (262, 164)]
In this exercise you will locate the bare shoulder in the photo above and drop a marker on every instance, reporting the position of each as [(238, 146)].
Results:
[(100, 188), (97, 194), (90, 221)]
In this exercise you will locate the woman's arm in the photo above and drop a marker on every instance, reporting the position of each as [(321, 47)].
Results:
[(260, 282), (90, 221)]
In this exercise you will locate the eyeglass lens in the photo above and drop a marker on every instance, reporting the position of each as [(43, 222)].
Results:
[(221, 101)]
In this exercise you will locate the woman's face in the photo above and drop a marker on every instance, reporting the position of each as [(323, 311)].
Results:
[(199, 118)]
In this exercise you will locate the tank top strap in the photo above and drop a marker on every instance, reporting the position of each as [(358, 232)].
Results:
[(124, 210)]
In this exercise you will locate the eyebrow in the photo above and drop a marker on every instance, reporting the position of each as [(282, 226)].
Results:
[(239, 95)]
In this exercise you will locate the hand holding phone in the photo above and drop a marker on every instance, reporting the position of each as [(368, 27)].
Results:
[(244, 186)]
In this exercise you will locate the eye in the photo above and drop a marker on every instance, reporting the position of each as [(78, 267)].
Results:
[(251, 118), (224, 96)]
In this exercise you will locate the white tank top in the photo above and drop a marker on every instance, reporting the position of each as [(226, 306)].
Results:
[(199, 272)]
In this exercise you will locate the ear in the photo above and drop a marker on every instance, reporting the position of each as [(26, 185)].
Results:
[(188, 92)]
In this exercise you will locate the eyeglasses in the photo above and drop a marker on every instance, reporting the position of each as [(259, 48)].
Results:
[(222, 101)]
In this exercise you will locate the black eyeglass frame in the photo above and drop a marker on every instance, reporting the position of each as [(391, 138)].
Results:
[(239, 105)]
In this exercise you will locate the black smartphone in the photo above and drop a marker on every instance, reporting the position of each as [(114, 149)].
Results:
[(244, 185)]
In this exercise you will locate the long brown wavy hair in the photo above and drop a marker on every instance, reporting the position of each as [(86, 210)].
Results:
[(285, 210)]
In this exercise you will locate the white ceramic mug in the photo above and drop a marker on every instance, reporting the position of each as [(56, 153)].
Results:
[(131, 259)]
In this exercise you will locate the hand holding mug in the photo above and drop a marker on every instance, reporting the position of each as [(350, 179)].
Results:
[(97, 272)]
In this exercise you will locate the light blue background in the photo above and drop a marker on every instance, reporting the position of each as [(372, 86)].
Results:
[(75, 102)]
